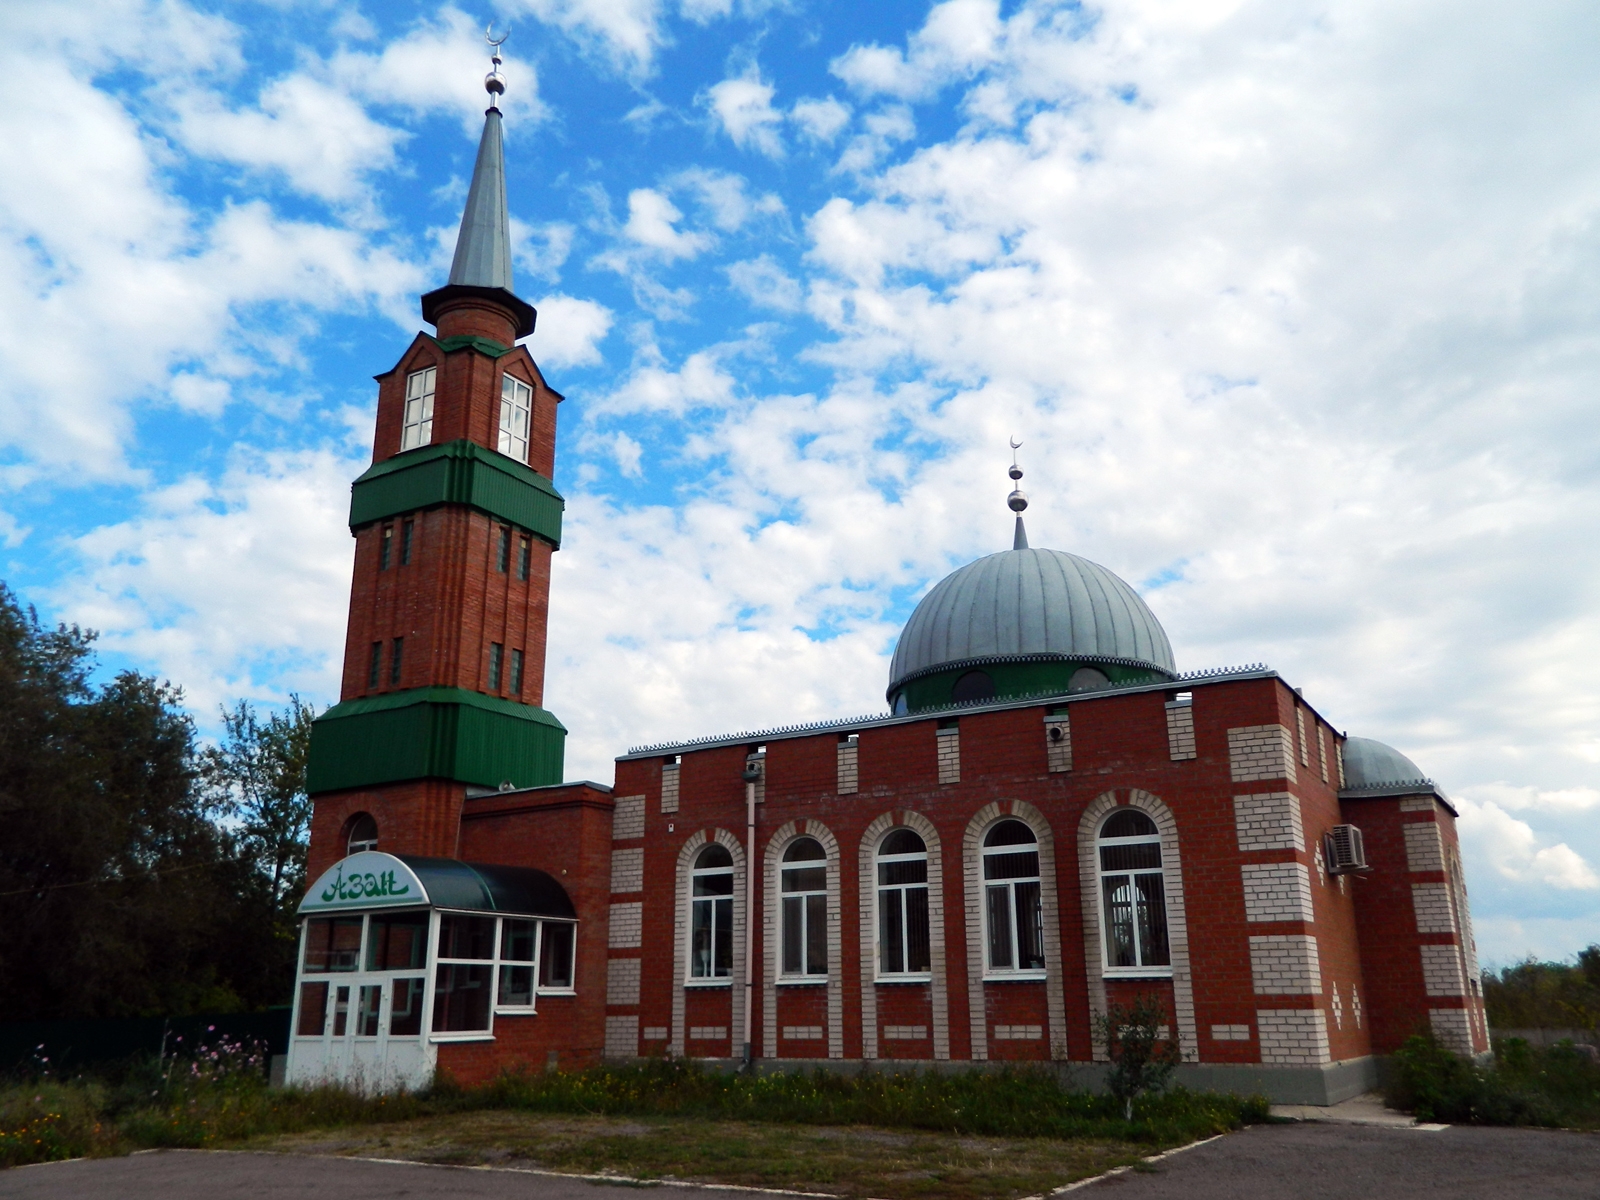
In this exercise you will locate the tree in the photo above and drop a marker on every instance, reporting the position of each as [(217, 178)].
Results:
[(257, 777), (1143, 1055), (119, 894), (1545, 995)]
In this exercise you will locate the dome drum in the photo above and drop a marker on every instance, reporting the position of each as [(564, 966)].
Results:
[(975, 679)]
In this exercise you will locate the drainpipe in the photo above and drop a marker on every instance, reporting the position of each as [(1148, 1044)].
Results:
[(752, 775)]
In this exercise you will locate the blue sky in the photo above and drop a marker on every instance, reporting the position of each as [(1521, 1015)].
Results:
[(1292, 305)]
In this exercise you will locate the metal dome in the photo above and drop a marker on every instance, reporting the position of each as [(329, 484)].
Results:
[(1030, 602), (1372, 764)]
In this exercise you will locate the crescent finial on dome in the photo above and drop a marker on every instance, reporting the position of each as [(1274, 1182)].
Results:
[(1018, 500)]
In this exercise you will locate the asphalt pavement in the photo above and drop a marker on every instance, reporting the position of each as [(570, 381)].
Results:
[(1266, 1162)]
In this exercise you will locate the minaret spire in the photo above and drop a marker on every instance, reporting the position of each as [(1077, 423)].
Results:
[(1018, 500), (481, 268)]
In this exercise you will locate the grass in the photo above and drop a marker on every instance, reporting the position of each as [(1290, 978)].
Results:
[(966, 1134), (1554, 1086), (843, 1161)]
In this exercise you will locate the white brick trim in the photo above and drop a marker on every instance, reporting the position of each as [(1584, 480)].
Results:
[(1431, 903), (808, 827), (1277, 892), (622, 982), (1058, 750), (1293, 1037), (1441, 970), (1285, 965), (671, 775), (1424, 848), (947, 743), (1268, 821), (939, 995), (1177, 913), (681, 923), (1261, 752), (1180, 730), (627, 926), (627, 818), (847, 764), (622, 1037), (627, 870)]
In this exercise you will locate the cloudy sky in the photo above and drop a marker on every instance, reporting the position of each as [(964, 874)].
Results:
[(1294, 305)]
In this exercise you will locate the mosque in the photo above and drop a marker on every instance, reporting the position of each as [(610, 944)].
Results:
[(1050, 818)]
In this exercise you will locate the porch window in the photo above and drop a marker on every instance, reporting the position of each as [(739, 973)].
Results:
[(333, 944), (461, 988)]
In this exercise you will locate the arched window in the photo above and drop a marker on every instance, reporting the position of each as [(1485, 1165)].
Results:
[(362, 835), (711, 914), (974, 685), (805, 908), (1011, 898), (1132, 892), (903, 904), (1087, 679)]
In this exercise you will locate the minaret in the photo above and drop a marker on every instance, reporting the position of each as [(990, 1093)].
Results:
[(454, 525)]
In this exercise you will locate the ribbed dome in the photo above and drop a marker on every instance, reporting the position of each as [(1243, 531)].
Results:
[(1368, 763), (1023, 602)]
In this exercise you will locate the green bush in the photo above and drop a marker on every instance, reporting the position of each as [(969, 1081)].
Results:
[(1524, 1085), (214, 1097)]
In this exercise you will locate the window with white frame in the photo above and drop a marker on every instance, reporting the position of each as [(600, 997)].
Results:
[(478, 955), (516, 416), (1012, 902), (804, 884), (1133, 903), (417, 428), (711, 915), (903, 906)]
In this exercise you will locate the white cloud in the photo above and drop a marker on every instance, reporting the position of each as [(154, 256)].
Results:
[(1512, 849), (541, 250), (820, 120), (625, 33), (724, 197), (743, 107), (654, 388), (322, 141), (1557, 801), (569, 331), (958, 37), (652, 221), (765, 283), (212, 581)]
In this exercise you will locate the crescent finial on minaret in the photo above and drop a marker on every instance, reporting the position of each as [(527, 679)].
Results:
[(495, 83)]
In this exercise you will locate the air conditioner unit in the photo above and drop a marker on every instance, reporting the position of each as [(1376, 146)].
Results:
[(1343, 849)]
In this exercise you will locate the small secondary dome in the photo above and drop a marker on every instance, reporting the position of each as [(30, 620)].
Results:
[(1025, 621), (1369, 763)]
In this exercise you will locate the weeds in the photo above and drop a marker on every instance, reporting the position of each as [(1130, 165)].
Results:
[(1523, 1085), (217, 1094)]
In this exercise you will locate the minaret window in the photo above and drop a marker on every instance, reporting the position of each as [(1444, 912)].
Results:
[(503, 561), (362, 835), (1132, 892), (516, 415), (525, 558), (385, 546), (515, 687), (496, 651), (418, 430), (375, 668), (407, 530), (1012, 899), (394, 662)]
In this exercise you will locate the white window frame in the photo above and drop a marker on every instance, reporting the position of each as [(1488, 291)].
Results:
[(985, 852), (900, 897), (495, 963), (516, 400), (417, 420), (805, 896), (695, 873), (1140, 970)]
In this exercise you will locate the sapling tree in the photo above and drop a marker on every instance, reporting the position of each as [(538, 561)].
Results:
[(1143, 1053)]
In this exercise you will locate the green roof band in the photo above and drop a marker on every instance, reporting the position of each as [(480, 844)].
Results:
[(434, 733), (459, 472)]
